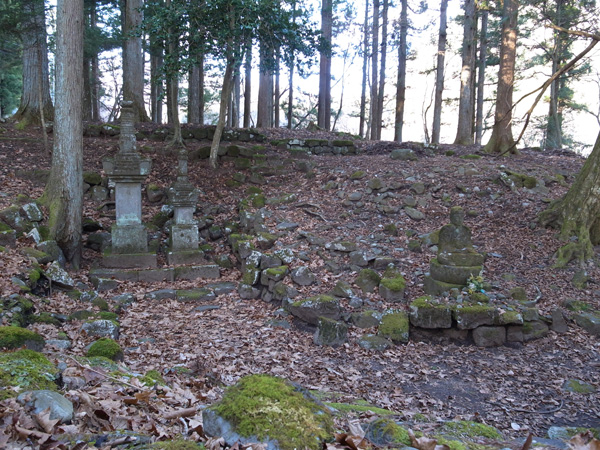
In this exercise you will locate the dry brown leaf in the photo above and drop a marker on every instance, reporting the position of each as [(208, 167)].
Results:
[(584, 441), (355, 428), (425, 443), (43, 419), (214, 443)]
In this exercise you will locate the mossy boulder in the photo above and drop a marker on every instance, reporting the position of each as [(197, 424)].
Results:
[(16, 337), (311, 309), (367, 280), (392, 289), (386, 432), (472, 316), (106, 347), (269, 410), (394, 326), (17, 310), (467, 429), (25, 370), (425, 312), (330, 332)]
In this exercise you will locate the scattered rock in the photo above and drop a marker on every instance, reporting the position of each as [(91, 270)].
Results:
[(101, 328), (60, 408), (330, 332), (311, 309), (303, 276)]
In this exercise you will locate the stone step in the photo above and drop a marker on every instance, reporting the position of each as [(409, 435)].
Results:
[(170, 274)]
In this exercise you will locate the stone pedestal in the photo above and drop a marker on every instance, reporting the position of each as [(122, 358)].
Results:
[(184, 231), (127, 170)]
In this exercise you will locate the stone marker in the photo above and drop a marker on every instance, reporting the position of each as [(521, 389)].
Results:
[(127, 170), (456, 260)]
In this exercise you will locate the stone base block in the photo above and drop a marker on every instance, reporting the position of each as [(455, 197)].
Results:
[(435, 287), (427, 314), (453, 274), (184, 237), (489, 336), (182, 257), (469, 317), (129, 239), (195, 272), (129, 260)]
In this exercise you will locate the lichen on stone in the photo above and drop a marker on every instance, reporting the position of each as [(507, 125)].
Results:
[(25, 370)]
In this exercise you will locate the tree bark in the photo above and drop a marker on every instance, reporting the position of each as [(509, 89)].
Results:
[(577, 213), (439, 75), (195, 93), (502, 139), (554, 121), (35, 67), (481, 76), (64, 191), (225, 95), (464, 133), (264, 116), (248, 84), (324, 108), (401, 84), (156, 80), (363, 95), (277, 112), (381, 93), (374, 70), (133, 59)]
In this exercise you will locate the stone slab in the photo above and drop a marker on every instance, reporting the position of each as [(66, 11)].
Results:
[(183, 257), (435, 287), (156, 275), (129, 260), (195, 272), (117, 274)]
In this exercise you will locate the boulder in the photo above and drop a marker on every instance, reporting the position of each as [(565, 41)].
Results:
[(303, 276), (427, 313), (394, 326), (366, 319), (534, 330), (367, 280), (311, 309), (589, 321), (16, 337), (489, 336), (59, 276), (342, 289), (403, 154), (374, 342), (469, 317), (60, 408), (392, 289), (101, 328), (330, 332)]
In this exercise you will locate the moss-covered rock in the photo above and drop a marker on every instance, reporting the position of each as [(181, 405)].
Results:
[(310, 309), (386, 432), (330, 332), (16, 337), (394, 326), (25, 370), (106, 347), (425, 312), (367, 280), (467, 429), (17, 310), (392, 289), (269, 409)]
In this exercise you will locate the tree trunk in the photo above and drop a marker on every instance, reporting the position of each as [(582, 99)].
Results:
[(381, 95), (363, 94), (401, 84), (156, 79), (324, 108), (225, 95), (374, 70), (439, 75), (64, 191), (464, 134), (87, 89), (554, 121), (133, 59), (277, 119), (248, 84), (577, 213), (173, 90), (264, 116), (195, 94), (290, 110), (35, 67), (502, 139), (481, 76), (236, 94)]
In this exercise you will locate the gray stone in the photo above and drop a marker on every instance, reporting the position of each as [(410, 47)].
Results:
[(579, 387), (155, 194), (355, 196), (403, 154), (534, 330), (344, 246), (367, 280), (309, 310), (221, 288), (287, 226), (514, 333), (285, 254), (359, 258), (472, 316), (330, 332), (13, 218), (8, 238), (161, 294), (61, 344), (366, 319), (356, 302), (269, 261), (489, 336), (559, 323), (374, 342), (59, 276), (195, 295), (590, 322), (418, 188), (248, 292), (425, 313), (32, 212), (99, 193), (392, 289), (99, 241), (104, 284), (101, 328), (53, 250), (195, 272), (60, 408), (453, 274), (413, 213), (303, 276), (342, 289)]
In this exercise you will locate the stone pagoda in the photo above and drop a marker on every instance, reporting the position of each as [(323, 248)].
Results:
[(127, 170), (456, 260), (184, 231)]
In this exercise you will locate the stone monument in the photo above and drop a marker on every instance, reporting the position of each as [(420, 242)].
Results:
[(456, 260), (184, 231), (127, 170)]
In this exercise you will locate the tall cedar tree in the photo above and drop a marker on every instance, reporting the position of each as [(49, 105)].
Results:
[(502, 140), (464, 132), (439, 75), (324, 108), (64, 191), (401, 84), (133, 58)]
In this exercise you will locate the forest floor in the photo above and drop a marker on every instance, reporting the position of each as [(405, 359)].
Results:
[(517, 389)]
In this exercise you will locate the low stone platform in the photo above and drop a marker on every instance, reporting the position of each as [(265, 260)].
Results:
[(210, 271)]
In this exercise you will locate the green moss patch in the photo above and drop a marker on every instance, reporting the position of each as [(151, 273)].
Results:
[(465, 428), (25, 370), (359, 407), (386, 432), (106, 347), (270, 408), (15, 337)]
